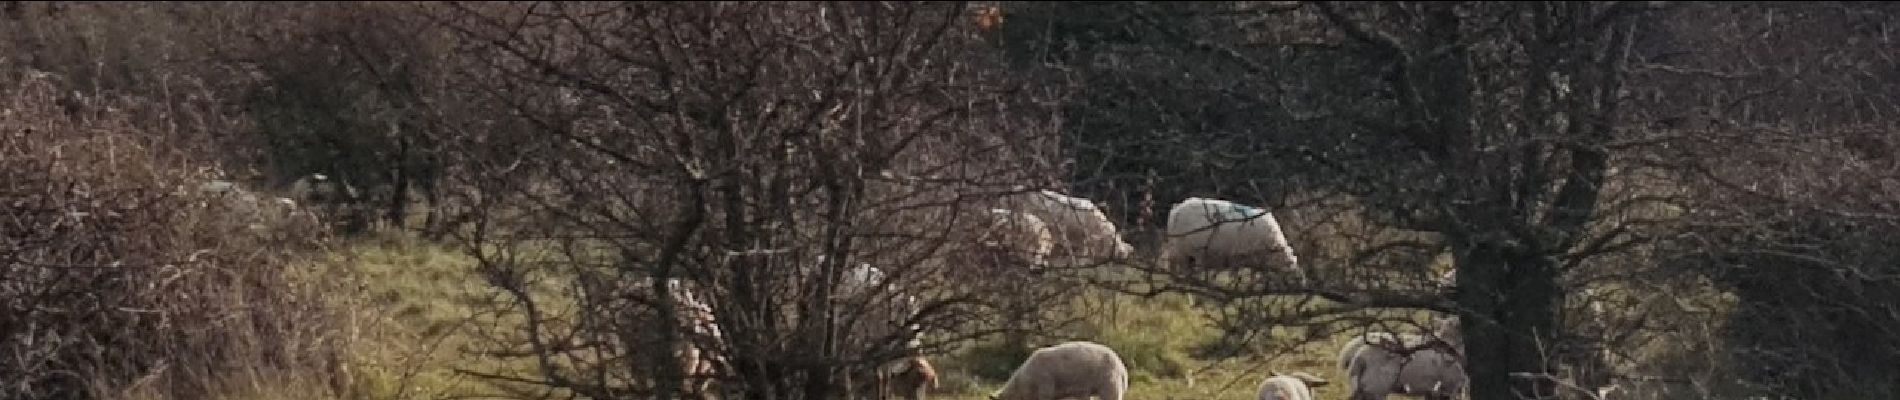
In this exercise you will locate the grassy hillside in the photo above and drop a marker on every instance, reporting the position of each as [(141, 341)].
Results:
[(423, 307), (419, 302)]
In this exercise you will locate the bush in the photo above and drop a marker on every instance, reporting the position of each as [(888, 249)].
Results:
[(1816, 309), (121, 278)]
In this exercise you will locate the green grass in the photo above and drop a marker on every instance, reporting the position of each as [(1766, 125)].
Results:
[(421, 306), (415, 302), (1156, 338), (419, 299)]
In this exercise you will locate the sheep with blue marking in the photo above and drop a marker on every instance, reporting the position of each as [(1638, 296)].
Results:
[(1214, 235)]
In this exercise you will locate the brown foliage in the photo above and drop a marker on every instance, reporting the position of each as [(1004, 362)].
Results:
[(118, 275)]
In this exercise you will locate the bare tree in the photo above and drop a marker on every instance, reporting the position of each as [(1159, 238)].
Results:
[(1596, 172), (755, 152), (1792, 178), (1406, 130)]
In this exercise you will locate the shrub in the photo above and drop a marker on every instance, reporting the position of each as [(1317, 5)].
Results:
[(119, 277)]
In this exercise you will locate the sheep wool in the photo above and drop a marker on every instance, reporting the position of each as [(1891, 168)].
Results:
[(1375, 372), (1296, 386), (1083, 232), (1021, 233), (1068, 370), (1221, 232)]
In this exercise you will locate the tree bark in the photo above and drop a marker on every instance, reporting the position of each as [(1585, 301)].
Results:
[(694, 209), (1507, 302)]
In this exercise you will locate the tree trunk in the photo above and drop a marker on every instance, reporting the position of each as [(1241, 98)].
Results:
[(399, 185), (1508, 306), (1507, 289), (694, 209)]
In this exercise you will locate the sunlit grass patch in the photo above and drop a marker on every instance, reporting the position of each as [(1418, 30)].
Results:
[(423, 309)]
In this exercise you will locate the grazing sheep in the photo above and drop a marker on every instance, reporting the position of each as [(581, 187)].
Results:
[(1219, 234), (1025, 237), (909, 377), (319, 189), (1378, 364), (1083, 233), (990, 248), (247, 204), (1068, 370), (1294, 386), (337, 199)]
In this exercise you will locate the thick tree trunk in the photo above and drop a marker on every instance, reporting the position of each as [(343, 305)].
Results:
[(1508, 299), (1507, 290)]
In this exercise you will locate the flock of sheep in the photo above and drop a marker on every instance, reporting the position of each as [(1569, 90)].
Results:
[(1377, 365), (1213, 234), (1202, 234), (1049, 228)]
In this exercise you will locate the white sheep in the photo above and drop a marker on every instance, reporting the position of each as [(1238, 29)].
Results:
[(1379, 364), (1083, 233), (1220, 234), (1294, 386), (1068, 370), (1023, 235), (999, 241)]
